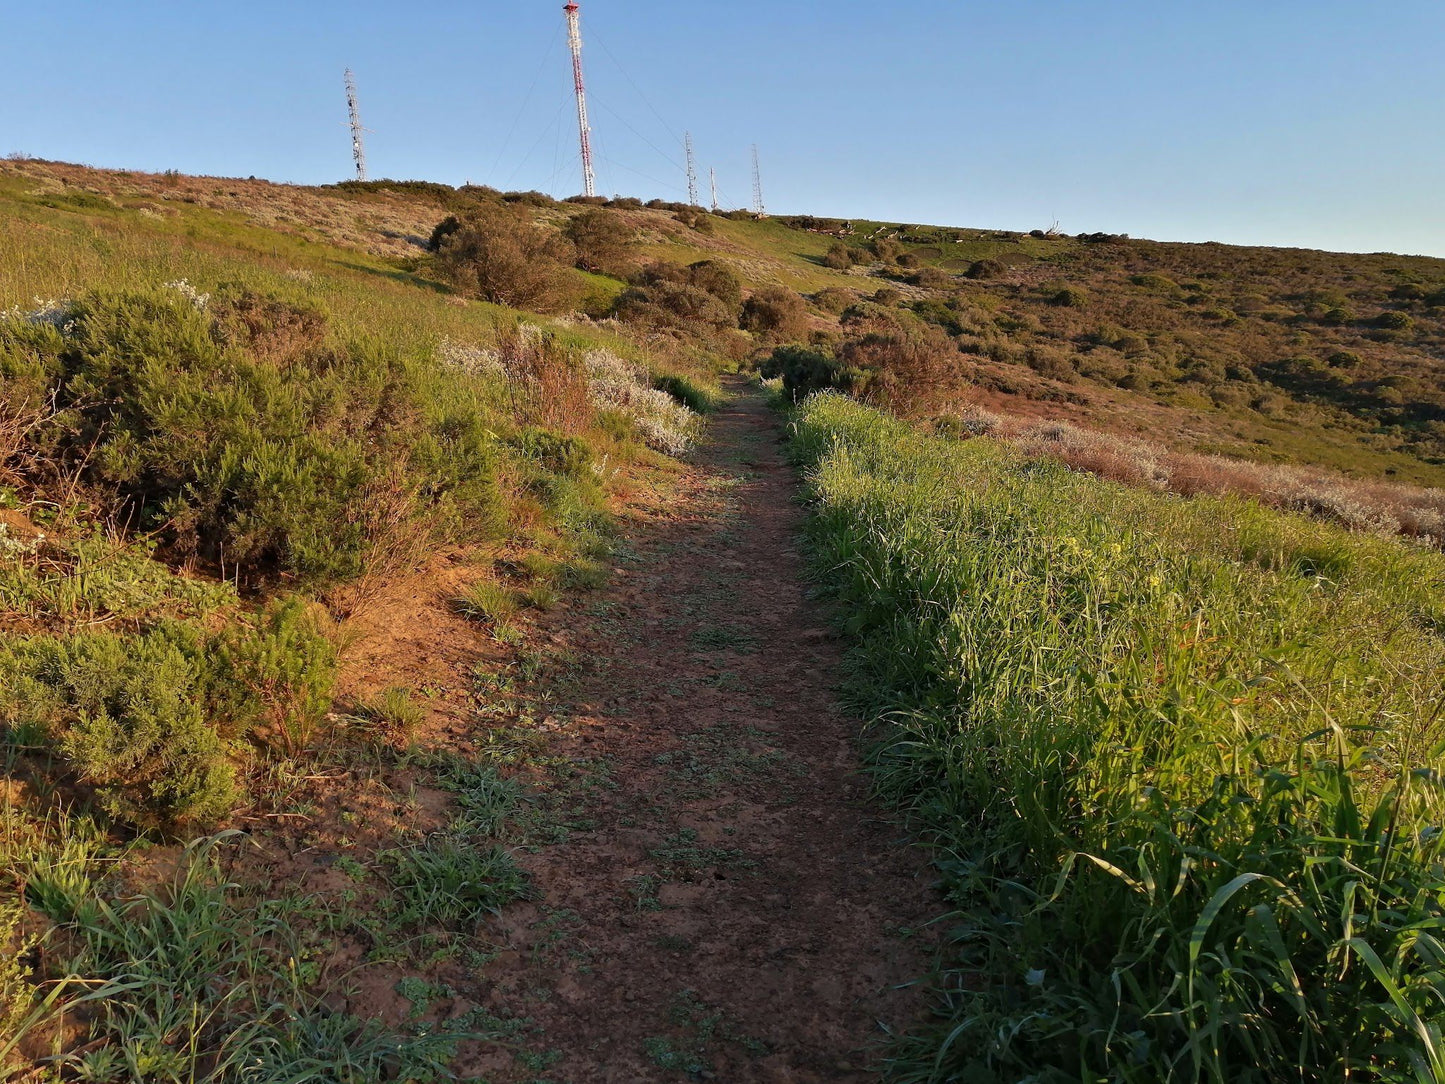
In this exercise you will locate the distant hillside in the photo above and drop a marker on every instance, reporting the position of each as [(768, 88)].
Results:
[(1274, 355)]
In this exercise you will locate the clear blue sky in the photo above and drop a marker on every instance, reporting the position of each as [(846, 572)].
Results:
[(1254, 121)]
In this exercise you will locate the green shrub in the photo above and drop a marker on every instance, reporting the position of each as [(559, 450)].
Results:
[(775, 313), (603, 240), (839, 256), (985, 269), (1070, 297), (557, 453), (805, 371), (1394, 321), (499, 254), (128, 715), (241, 436), (273, 677), (834, 299)]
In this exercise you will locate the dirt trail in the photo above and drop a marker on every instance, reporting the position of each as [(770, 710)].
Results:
[(724, 902)]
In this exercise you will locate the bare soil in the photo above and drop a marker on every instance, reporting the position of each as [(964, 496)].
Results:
[(724, 901)]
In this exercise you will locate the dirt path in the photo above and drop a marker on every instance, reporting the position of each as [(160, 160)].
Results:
[(721, 901)]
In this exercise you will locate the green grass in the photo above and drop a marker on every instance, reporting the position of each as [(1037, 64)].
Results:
[(1176, 761)]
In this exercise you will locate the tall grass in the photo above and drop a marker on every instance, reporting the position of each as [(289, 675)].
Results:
[(1176, 760)]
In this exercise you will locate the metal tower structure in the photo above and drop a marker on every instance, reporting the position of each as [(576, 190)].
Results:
[(692, 200), (712, 173), (758, 208), (574, 41), (358, 149)]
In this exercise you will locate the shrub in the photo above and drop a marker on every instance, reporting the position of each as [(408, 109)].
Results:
[(500, 255), (777, 313), (238, 433), (603, 240), (129, 717), (931, 278), (904, 370), (839, 257), (834, 299), (805, 371), (555, 452), (705, 296), (886, 249), (1394, 321), (663, 423), (274, 676), (1338, 316), (1071, 297), (985, 269)]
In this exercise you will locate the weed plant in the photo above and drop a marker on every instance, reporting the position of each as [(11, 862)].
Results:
[(1177, 761)]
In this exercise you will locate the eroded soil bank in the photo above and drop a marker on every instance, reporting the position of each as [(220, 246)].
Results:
[(721, 900)]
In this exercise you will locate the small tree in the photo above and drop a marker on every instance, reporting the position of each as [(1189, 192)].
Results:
[(839, 256), (602, 238), (776, 313), (500, 255)]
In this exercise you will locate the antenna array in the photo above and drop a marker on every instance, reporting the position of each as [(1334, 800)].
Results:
[(574, 42), (358, 148)]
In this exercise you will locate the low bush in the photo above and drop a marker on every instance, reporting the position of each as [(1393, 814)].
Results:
[(603, 240), (239, 434), (129, 718), (274, 677), (498, 254), (703, 298), (776, 313)]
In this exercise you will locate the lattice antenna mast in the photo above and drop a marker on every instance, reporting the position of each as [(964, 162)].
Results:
[(692, 200), (758, 208), (712, 173), (574, 41), (358, 147)]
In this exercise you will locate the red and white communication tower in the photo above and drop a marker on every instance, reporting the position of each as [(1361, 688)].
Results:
[(574, 40)]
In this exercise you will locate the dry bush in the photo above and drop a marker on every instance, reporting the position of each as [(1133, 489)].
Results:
[(1105, 454), (497, 253), (1379, 507), (907, 370), (547, 384)]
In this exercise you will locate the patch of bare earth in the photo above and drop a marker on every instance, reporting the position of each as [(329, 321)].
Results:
[(727, 904)]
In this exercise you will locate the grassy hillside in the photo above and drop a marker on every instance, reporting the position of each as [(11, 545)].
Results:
[(225, 448), (1177, 763), (1272, 355)]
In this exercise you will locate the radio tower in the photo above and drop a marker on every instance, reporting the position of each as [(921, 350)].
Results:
[(358, 151), (691, 171), (758, 208), (712, 173), (574, 41)]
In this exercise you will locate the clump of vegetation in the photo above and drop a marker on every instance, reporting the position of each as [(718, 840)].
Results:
[(498, 254), (1178, 762), (603, 240), (452, 881), (776, 314), (253, 442), (702, 299)]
